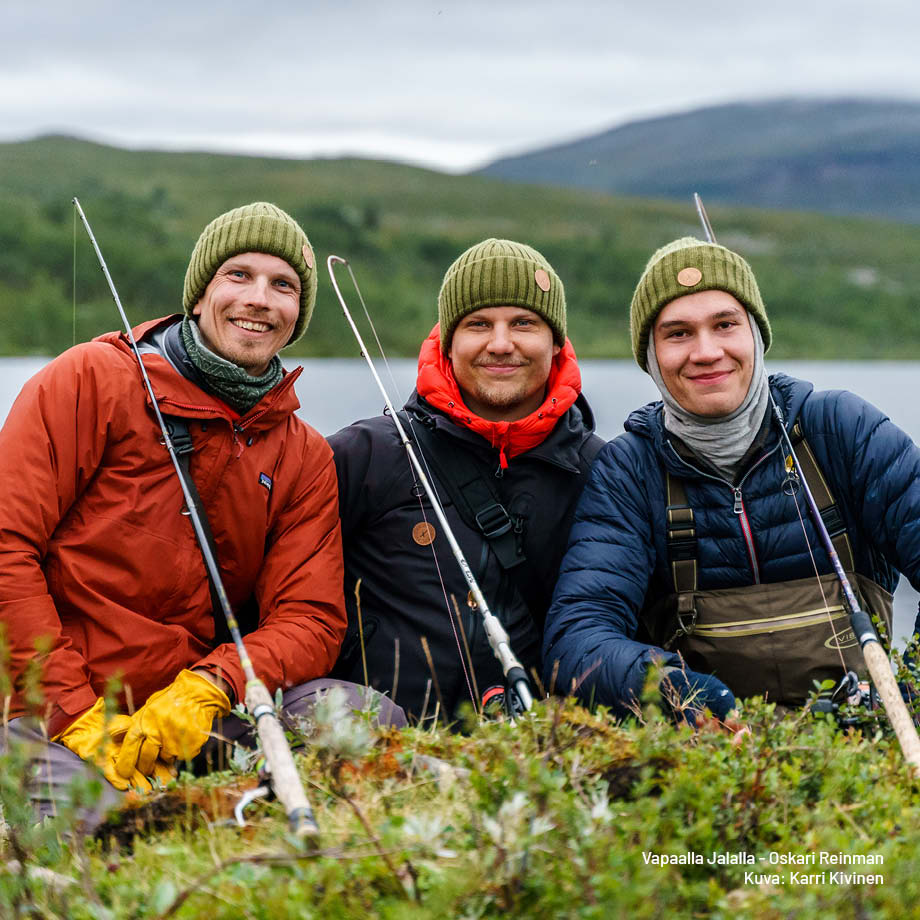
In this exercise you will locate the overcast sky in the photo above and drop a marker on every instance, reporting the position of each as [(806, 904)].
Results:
[(446, 84)]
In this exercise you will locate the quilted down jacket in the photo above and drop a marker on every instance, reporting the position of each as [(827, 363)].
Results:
[(616, 565)]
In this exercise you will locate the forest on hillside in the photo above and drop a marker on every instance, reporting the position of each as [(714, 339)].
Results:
[(834, 287)]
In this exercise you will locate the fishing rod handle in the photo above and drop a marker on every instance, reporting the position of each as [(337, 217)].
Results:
[(285, 779), (898, 716), (517, 680)]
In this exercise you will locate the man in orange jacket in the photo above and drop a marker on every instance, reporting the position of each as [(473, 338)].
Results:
[(101, 578), (499, 418)]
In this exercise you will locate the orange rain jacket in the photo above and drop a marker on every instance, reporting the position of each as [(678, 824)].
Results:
[(98, 563)]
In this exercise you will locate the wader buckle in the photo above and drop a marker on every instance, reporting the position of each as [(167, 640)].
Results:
[(686, 618), (686, 613)]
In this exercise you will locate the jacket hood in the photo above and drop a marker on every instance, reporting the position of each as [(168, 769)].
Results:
[(438, 386), (177, 395), (788, 392)]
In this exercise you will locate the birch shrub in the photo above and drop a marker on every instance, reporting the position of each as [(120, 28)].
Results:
[(563, 814)]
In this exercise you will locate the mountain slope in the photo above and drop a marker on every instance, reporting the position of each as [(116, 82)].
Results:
[(840, 156)]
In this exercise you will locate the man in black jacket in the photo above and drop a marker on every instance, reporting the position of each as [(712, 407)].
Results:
[(498, 417)]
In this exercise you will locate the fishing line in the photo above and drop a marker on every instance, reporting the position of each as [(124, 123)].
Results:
[(428, 526), (399, 396), (875, 656), (499, 641), (73, 285), (793, 478)]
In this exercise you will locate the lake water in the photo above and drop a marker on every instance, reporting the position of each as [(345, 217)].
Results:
[(335, 392)]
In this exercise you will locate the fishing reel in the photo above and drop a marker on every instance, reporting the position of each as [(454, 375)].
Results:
[(500, 701), (850, 702)]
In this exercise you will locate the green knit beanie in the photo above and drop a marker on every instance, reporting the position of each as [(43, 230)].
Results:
[(256, 227), (687, 266), (500, 273)]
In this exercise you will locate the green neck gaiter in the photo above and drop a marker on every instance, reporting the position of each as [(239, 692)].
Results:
[(223, 378)]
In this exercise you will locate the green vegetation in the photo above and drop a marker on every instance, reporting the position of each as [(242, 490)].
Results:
[(564, 814), (835, 287)]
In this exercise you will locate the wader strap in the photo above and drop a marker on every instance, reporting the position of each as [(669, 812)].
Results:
[(475, 498), (184, 446), (681, 530), (682, 547), (830, 512), (681, 537)]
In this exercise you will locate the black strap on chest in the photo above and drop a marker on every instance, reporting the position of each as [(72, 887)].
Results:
[(681, 527), (476, 499), (182, 442)]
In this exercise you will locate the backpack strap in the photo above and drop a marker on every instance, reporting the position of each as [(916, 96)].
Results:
[(590, 448), (830, 511), (184, 446), (475, 498)]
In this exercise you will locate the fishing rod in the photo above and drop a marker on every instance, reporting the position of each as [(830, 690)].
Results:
[(515, 676), (874, 655), (285, 781)]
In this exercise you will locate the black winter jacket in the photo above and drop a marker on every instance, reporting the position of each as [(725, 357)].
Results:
[(401, 596)]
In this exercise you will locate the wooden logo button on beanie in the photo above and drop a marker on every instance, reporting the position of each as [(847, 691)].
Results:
[(689, 276)]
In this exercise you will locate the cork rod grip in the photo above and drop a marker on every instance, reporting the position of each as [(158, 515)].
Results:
[(898, 716), (284, 777)]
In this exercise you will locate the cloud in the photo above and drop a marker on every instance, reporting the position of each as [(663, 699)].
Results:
[(450, 84)]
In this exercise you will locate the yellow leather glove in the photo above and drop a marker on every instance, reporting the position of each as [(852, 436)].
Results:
[(173, 723), (94, 738)]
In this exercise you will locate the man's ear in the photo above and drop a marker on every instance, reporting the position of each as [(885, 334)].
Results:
[(196, 310), (556, 349)]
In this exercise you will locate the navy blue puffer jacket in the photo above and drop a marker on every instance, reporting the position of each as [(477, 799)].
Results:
[(616, 565)]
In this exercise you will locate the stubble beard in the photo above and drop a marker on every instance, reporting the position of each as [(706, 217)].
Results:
[(500, 397)]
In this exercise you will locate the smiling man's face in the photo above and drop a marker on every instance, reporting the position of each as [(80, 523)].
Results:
[(705, 351), (249, 308), (501, 358)]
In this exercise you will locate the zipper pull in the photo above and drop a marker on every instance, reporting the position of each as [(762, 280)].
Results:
[(739, 508)]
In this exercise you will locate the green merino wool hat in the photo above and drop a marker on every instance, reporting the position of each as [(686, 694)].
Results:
[(256, 227), (500, 273), (687, 266)]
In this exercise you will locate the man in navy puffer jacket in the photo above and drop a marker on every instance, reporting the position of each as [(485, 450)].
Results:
[(700, 329)]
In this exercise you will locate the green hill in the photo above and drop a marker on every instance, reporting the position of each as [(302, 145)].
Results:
[(835, 287), (841, 156)]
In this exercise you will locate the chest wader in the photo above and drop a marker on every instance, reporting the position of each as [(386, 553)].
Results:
[(773, 640)]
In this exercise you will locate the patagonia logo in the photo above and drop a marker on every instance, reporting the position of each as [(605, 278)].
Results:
[(265, 480), (846, 639)]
